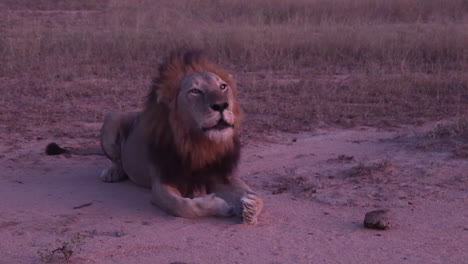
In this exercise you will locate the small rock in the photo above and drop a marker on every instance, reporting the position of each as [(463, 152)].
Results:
[(378, 219), (118, 234)]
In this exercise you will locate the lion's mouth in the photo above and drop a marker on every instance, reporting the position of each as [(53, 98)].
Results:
[(221, 125)]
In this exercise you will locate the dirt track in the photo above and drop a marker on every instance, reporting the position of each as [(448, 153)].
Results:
[(316, 188)]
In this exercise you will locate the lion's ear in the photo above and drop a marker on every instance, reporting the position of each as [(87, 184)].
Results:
[(230, 79), (163, 98)]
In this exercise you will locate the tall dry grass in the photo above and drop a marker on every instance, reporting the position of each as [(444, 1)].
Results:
[(254, 34), (395, 60)]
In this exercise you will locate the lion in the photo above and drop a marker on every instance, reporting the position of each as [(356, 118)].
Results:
[(184, 145)]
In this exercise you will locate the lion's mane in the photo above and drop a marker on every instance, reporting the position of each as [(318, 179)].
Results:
[(187, 159)]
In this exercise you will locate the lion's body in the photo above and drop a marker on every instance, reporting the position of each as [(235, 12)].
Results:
[(184, 145)]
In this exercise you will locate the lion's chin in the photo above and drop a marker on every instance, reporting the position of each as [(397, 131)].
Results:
[(220, 135)]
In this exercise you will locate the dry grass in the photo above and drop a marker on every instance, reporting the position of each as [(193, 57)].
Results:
[(369, 171), (63, 252), (452, 136), (256, 34), (299, 62), (357, 99), (456, 129)]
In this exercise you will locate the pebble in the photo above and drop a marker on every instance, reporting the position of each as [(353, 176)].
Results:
[(378, 219)]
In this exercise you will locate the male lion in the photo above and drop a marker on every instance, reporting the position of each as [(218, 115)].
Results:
[(184, 145)]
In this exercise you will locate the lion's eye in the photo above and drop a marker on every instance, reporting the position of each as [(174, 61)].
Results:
[(223, 86), (195, 91)]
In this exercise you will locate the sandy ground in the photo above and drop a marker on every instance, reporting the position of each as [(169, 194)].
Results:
[(316, 187)]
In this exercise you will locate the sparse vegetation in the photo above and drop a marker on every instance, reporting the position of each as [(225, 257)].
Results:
[(449, 135), (458, 129), (363, 170), (291, 182), (364, 62), (64, 251)]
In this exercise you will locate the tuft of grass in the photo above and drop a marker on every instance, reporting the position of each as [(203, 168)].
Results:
[(362, 170), (448, 136), (291, 182), (456, 129)]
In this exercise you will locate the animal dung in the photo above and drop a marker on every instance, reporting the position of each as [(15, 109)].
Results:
[(377, 219), (54, 149)]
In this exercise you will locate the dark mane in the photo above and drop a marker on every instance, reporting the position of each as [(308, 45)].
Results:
[(175, 169), (186, 161), (165, 88)]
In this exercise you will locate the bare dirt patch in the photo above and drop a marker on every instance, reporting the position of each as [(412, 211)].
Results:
[(314, 207)]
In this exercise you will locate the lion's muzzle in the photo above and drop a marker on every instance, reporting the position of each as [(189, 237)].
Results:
[(221, 125), (219, 107)]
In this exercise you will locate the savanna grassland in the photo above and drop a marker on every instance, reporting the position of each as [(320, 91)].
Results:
[(376, 89), (300, 64)]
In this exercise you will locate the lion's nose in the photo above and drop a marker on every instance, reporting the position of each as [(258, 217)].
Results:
[(219, 107)]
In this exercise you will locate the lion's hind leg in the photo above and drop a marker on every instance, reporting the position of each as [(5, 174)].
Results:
[(115, 173), (113, 134)]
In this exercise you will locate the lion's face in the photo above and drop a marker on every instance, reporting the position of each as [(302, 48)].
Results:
[(205, 103)]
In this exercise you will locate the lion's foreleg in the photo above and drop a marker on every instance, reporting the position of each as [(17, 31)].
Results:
[(245, 202), (169, 199)]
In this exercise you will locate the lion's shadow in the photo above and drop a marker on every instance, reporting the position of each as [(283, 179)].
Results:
[(83, 186)]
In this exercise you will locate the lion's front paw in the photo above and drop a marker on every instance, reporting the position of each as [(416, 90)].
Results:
[(224, 209), (215, 204), (251, 207)]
